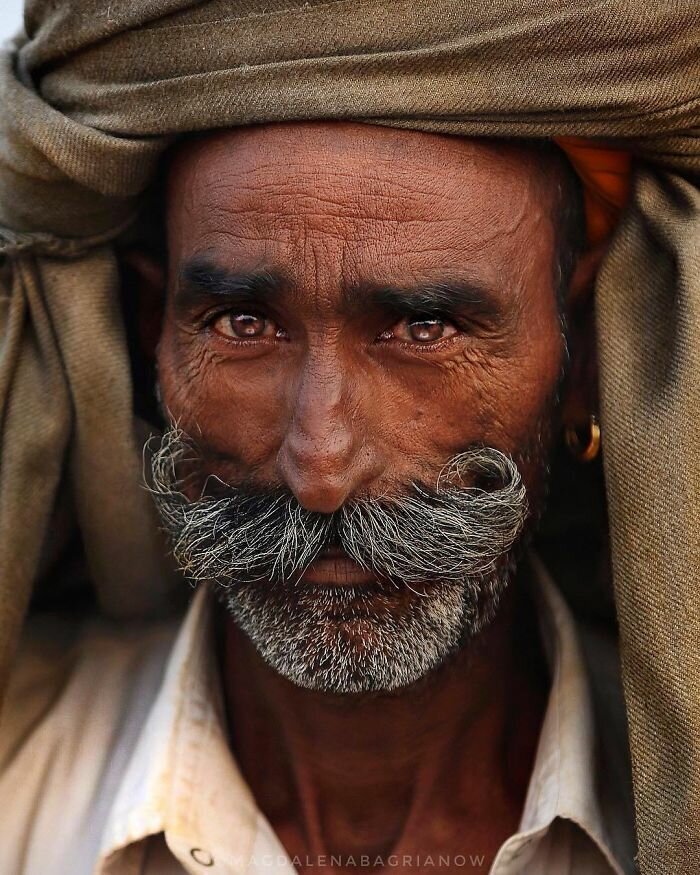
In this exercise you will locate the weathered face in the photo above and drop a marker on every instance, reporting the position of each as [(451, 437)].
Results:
[(349, 307), (320, 370)]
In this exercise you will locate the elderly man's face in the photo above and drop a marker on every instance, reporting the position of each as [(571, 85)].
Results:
[(349, 308)]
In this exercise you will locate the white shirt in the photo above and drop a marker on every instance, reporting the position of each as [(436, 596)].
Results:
[(114, 759)]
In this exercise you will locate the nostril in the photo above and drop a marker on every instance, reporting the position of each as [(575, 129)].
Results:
[(320, 480), (324, 474), (320, 496)]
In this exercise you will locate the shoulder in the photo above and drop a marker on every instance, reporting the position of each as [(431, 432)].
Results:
[(78, 697), (63, 663)]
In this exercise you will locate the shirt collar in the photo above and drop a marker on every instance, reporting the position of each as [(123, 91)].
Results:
[(183, 781), (563, 780)]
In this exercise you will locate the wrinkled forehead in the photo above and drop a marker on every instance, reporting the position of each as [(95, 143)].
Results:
[(361, 186)]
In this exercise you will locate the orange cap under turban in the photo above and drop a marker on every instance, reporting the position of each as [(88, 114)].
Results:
[(605, 173)]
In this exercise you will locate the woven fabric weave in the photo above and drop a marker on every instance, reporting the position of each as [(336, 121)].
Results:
[(95, 92)]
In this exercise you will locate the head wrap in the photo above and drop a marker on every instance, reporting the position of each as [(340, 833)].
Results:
[(97, 90)]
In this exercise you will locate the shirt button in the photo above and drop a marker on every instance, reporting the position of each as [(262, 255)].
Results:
[(204, 858)]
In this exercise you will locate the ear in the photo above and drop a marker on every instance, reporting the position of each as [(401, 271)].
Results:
[(580, 395), (144, 288)]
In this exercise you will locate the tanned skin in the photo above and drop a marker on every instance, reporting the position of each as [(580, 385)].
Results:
[(333, 396)]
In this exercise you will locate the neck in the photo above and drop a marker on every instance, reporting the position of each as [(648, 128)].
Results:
[(446, 760)]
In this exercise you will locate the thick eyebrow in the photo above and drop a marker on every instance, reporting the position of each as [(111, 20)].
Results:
[(450, 297), (202, 281)]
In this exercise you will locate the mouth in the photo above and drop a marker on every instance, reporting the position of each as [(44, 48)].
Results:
[(333, 567)]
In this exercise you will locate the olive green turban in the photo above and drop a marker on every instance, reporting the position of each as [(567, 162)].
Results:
[(95, 92)]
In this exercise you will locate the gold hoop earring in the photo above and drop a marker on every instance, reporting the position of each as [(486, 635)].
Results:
[(580, 451)]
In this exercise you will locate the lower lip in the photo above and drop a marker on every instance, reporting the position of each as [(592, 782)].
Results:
[(336, 571)]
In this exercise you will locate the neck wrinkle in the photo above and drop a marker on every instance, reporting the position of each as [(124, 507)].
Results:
[(340, 777)]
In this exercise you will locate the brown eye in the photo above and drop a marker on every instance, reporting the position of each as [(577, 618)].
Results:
[(245, 326), (421, 330), (426, 330)]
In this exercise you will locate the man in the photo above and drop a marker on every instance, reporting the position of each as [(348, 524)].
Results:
[(372, 341), (362, 350)]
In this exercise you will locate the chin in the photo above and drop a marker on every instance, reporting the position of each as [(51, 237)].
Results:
[(374, 638)]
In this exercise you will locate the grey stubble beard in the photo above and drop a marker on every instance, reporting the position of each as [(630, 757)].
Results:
[(354, 639)]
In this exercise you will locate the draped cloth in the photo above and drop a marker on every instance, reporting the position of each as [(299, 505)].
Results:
[(95, 91)]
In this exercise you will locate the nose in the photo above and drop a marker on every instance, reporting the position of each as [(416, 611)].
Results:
[(326, 455)]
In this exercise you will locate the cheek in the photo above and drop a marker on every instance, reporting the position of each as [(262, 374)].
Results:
[(236, 411), (522, 400), (426, 414), (520, 391)]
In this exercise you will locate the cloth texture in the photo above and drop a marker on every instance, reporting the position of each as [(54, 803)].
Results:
[(93, 94), (136, 717)]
